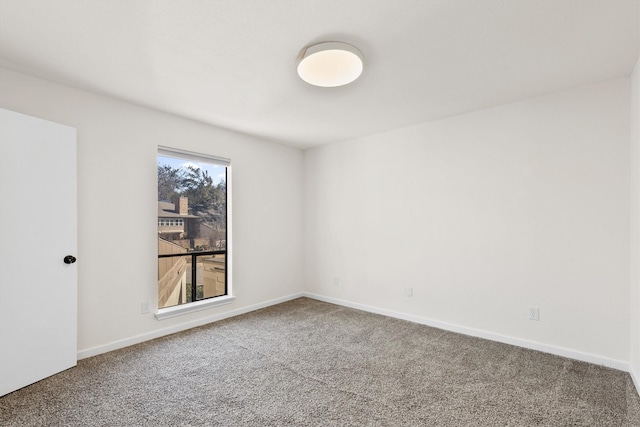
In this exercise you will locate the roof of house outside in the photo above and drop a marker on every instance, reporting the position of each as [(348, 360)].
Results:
[(168, 210)]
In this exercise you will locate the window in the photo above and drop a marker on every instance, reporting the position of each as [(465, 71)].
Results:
[(193, 257)]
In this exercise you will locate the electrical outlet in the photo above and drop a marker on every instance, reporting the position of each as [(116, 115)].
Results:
[(534, 313), (144, 307), (336, 281), (408, 292)]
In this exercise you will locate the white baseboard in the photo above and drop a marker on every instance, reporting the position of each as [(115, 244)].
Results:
[(532, 345), (635, 378), (94, 351)]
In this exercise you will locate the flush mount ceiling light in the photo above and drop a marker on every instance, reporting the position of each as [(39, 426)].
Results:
[(330, 64)]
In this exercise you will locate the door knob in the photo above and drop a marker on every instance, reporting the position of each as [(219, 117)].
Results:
[(69, 259)]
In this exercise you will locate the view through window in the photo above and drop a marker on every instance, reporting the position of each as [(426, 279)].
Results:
[(192, 228)]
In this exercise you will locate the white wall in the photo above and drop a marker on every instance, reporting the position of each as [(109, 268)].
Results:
[(483, 215), (635, 225), (117, 145)]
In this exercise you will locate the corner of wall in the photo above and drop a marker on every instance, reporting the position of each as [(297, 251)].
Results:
[(634, 227)]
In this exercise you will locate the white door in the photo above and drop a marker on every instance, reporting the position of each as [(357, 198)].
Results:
[(38, 290)]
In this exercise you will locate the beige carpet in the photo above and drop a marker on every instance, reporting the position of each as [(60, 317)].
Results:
[(308, 363)]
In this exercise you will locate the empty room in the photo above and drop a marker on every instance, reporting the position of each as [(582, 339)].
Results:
[(320, 213)]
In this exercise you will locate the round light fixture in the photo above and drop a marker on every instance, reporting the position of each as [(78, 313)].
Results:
[(330, 64)]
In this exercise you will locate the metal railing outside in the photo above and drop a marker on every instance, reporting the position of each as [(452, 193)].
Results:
[(194, 270)]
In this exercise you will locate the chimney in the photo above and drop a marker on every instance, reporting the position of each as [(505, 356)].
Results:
[(181, 205)]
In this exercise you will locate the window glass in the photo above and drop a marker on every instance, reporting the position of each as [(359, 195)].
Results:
[(192, 229)]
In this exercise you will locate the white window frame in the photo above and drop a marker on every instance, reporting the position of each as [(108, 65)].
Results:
[(166, 313)]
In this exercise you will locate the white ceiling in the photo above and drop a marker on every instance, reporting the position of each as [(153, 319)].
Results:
[(231, 63)]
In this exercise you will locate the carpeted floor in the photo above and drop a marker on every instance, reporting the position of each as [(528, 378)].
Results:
[(308, 363)]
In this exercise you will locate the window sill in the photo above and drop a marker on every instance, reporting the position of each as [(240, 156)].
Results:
[(179, 310)]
